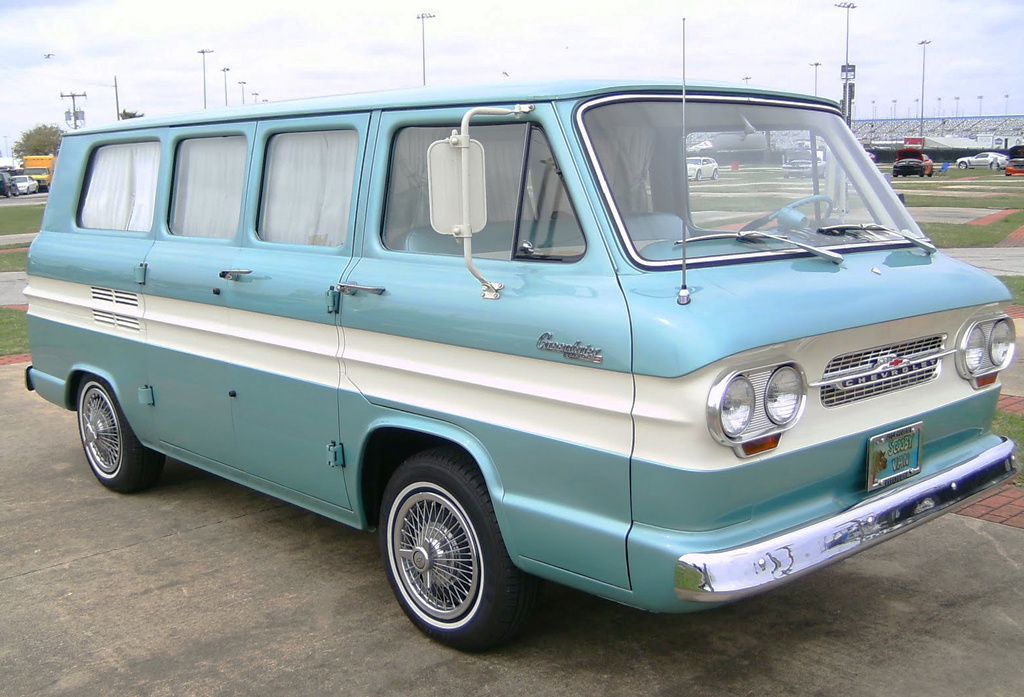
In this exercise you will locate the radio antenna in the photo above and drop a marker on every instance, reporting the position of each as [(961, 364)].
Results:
[(684, 291)]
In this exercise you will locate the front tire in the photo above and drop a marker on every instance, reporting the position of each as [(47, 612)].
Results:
[(445, 557), (961, 165), (117, 458)]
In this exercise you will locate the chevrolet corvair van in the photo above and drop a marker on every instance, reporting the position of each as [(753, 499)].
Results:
[(503, 329)]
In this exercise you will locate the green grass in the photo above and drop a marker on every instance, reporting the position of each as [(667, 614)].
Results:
[(1016, 286), (963, 235), (14, 261), (13, 332), (1011, 426), (16, 220)]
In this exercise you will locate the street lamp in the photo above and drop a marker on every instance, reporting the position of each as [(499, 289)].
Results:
[(1006, 105), (242, 83), (204, 51), (894, 108), (956, 109), (846, 66), (225, 71), (254, 97), (815, 66), (980, 102), (423, 17), (938, 108), (924, 52), (746, 79), (874, 112)]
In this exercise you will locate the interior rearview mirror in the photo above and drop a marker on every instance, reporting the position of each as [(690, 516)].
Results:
[(445, 187)]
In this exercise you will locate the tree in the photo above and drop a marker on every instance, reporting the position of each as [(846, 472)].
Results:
[(128, 114), (40, 140)]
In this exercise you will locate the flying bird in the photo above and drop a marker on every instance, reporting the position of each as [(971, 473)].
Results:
[(49, 55)]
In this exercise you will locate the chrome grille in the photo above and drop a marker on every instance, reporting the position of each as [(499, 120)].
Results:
[(915, 372), (118, 297), (113, 320)]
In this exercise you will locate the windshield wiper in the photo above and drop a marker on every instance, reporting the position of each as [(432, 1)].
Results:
[(755, 235), (866, 227)]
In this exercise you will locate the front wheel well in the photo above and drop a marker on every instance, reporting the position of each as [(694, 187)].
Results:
[(385, 450)]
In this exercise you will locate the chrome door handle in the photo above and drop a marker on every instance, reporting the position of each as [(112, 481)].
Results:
[(233, 274), (353, 288)]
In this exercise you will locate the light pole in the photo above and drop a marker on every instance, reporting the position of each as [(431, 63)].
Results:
[(815, 66), (225, 71), (746, 79), (956, 107), (1006, 105), (938, 108), (204, 51), (924, 52), (894, 108), (981, 97), (242, 83), (423, 17), (874, 112), (254, 97), (846, 66)]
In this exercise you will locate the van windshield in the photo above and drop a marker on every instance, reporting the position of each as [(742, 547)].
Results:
[(639, 150)]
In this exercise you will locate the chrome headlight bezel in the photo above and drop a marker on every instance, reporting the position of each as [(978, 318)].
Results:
[(987, 365), (760, 425)]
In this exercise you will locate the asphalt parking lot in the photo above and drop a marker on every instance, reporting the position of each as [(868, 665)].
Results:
[(203, 587)]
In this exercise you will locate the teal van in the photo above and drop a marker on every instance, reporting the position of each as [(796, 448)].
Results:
[(503, 328)]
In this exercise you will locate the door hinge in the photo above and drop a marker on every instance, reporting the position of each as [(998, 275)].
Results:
[(140, 273), (333, 300), (146, 395), (335, 454)]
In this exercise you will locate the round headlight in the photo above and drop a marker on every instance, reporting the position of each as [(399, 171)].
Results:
[(974, 353), (737, 406), (782, 395), (1000, 341)]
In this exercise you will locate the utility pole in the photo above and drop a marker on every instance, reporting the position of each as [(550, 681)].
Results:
[(225, 71), (74, 108), (117, 100), (204, 51)]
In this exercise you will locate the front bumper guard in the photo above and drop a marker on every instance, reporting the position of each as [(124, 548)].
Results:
[(732, 574)]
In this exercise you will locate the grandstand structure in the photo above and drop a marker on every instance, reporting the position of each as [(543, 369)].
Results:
[(893, 131)]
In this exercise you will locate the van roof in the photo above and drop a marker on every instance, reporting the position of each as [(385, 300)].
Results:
[(462, 95)]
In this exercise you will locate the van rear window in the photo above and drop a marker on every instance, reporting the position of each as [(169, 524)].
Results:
[(209, 178), (120, 188)]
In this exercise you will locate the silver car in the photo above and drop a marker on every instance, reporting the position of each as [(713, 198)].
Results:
[(26, 184), (991, 160)]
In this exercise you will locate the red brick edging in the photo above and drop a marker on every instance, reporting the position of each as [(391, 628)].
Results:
[(995, 217), (16, 358), (1005, 505), (1014, 239)]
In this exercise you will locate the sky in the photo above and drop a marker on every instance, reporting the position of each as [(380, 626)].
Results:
[(292, 50)]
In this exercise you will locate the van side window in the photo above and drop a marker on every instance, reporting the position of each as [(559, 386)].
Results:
[(548, 228), (120, 188), (307, 192), (407, 221), (209, 178)]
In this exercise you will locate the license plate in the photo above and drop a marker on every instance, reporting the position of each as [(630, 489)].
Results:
[(894, 456)]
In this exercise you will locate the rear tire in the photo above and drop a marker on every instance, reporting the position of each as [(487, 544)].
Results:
[(117, 458), (698, 176), (445, 557), (714, 174)]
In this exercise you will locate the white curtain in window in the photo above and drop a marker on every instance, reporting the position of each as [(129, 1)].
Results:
[(121, 191), (307, 195), (208, 183), (625, 157)]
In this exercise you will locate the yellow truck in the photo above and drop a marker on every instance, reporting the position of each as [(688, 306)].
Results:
[(40, 168)]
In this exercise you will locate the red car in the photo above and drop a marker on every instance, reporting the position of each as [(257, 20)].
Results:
[(1015, 165), (911, 161)]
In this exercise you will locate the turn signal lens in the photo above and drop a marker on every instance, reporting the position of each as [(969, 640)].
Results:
[(974, 354), (1000, 342), (737, 406), (783, 394)]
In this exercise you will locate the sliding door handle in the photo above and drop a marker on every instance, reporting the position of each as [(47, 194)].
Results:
[(353, 288)]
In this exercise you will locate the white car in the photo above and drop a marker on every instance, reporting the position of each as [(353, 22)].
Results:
[(991, 160), (26, 184), (698, 168)]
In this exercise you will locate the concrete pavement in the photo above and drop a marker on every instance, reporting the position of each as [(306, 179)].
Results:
[(202, 587)]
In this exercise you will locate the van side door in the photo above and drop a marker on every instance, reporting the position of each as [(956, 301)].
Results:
[(297, 241), (192, 335), (540, 377)]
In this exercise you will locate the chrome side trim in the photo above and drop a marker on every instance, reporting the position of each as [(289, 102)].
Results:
[(732, 574)]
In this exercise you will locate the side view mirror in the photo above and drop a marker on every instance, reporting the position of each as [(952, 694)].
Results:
[(445, 187)]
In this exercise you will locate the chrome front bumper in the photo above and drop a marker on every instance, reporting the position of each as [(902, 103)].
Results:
[(731, 574)]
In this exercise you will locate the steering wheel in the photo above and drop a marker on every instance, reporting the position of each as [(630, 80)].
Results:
[(789, 218)]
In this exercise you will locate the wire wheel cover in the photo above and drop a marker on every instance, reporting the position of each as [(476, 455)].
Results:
[(101, 432), (435, 554)]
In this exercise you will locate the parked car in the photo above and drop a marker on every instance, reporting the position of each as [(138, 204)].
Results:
[(991, 160), (798, 164), (701, 168), (7, 186), (26, 184), (1015, 165), (910, 161)]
